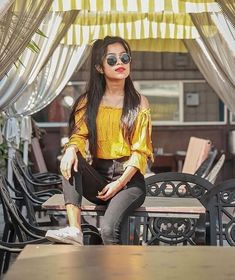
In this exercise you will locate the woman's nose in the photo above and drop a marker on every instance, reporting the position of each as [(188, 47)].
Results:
[(119, 61)]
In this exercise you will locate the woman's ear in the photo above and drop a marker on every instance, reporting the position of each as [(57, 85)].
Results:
[(99, 69)]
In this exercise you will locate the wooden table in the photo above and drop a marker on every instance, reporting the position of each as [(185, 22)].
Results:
[(62, 262), (186, 210)]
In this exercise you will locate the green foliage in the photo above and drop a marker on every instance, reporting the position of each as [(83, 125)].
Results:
[(39, 32), (31, 46), (3, 151)]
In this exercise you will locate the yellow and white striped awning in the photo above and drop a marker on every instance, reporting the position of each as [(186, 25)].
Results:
[(140, 6), (158, 45), (153, 25), (90, 26), (146, 27)]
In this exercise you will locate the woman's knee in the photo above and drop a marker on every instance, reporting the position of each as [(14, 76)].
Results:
[(109, 234)]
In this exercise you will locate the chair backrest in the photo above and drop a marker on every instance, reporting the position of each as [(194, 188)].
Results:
[(38, 156), (19, 159), (212, 175), (24, 229), (197, 151), (205, 167), (27, 191), (17, 231), (19, 167), (174, 184), (220, 201)]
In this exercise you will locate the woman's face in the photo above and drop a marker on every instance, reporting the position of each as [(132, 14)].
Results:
[(116, 64)]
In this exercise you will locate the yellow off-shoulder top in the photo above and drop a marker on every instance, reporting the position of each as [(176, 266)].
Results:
[(110, 141)]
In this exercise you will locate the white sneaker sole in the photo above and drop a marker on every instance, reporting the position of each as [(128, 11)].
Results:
[(57, 239)]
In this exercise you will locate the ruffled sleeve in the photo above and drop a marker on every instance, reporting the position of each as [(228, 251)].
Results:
[(80, 136), (141, 144)]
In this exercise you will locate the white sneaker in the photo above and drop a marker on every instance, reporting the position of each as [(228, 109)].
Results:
[(68, 235)]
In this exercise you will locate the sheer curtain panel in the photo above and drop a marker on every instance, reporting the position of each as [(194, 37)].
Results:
[(17, 27), (4, 6), (228, 8), (212, 73), (54, 26)]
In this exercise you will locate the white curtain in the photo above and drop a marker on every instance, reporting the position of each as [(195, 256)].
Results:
[(4, 6), (18, 80), (54, 26), (11, 132), (213, 35), (226, 29), (228, 8), (214, 55), (17, 27), (212, 72), (50, 81)]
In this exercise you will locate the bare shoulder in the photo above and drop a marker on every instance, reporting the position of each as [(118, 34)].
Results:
[(144, 104)]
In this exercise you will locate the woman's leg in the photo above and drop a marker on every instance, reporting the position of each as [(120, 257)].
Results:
[(72, 202), (73, 190), (86, 182), (120, 206)]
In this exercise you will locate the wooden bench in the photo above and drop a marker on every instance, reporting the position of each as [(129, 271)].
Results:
[(166, 212)]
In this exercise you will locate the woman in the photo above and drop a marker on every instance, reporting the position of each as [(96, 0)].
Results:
[(115, 119)]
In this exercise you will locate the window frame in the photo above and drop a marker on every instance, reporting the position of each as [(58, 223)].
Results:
[(181, 121), (180, 85), (59, 124), (157, 123)]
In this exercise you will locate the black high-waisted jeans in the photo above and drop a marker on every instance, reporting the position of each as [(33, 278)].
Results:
[(93, 178)]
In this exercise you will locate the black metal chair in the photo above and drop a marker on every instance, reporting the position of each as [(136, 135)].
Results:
[(18, 232), (174, 231), (220, 202), (38, 179), (206, 165), (212, 175), (16, 227), (177, 185), (32, 199)]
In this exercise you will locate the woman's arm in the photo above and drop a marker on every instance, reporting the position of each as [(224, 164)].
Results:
[(131, 170), (141, 143), (77, 142), (114, 187), (68, 161)]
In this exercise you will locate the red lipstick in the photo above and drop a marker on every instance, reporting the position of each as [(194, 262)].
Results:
[(120, 69)]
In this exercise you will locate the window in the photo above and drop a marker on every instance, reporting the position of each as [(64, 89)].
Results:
[(182, 102), (57, 113), (232, 117), (171, 103), (165, 99), (201, 104)]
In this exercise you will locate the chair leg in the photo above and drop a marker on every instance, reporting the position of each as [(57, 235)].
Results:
[(9, 237), (7, 259), (125, 231), (2, 253)]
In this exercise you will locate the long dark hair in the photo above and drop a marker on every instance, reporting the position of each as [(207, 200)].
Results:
[(95, 90)]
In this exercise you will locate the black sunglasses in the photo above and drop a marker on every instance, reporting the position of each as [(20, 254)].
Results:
[(112, 59)]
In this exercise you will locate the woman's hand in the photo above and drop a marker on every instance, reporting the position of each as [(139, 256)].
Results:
[(68, 160), (109, 190)]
